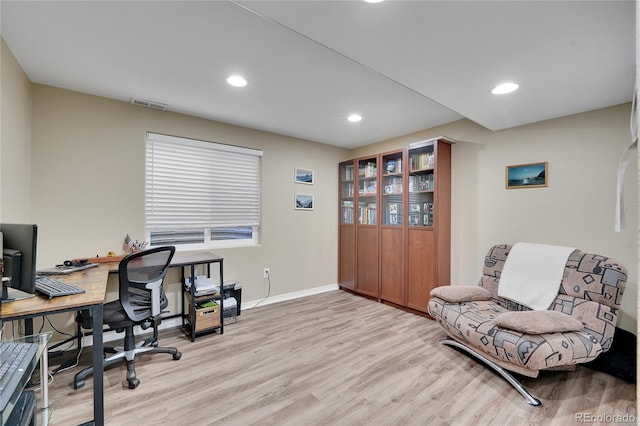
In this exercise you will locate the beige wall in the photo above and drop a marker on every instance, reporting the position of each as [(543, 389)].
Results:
[(88, 189), (576, 209), (15, 139)]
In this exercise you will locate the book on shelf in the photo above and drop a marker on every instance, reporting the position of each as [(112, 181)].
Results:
[(394, 166), (367, 214), (367, 170), (392, 214), (393, 186), (368, 187), (347, 190), (428, 214), (347, 212), (423, 160), (348, 172), (423, 182)]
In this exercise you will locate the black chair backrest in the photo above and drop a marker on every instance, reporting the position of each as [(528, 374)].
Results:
[(141, 276)]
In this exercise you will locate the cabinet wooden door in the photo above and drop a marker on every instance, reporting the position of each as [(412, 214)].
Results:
[(367, 261), (346, 255), (421, 267), (392, 265)]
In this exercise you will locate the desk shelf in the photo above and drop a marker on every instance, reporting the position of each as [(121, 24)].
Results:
[(197, 320)]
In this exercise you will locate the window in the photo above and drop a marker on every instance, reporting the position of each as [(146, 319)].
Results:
[(201, 194)]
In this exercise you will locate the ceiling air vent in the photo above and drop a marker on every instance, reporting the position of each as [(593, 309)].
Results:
[(149, 104)]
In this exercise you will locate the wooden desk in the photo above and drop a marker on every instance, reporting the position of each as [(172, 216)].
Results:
[(94, 282)]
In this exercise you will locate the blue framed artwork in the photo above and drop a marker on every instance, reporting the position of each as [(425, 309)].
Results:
[(532, 175), (304, 202), (304, 176)]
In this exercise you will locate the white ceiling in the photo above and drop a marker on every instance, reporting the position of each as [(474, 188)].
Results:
[(403, 65)]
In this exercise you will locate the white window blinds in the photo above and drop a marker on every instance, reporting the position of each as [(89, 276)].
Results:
[(192, 184)]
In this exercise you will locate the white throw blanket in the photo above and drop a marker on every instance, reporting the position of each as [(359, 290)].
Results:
[(532, 274)]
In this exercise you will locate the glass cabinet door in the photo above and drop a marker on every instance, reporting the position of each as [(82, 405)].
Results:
[(421, 186), (367, 191), (392, 185), (347, 192)]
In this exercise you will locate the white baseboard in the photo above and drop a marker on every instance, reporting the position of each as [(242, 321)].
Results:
[(288, 296), (177, 322)]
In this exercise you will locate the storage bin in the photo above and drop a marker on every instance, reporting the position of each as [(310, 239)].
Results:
[(205, 317), (229, 310)]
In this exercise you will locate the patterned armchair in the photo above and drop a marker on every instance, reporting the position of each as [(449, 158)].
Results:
[(577, 327)]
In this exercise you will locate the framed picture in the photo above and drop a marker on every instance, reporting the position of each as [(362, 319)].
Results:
[(532, 175), (304, 176), (304, 202)]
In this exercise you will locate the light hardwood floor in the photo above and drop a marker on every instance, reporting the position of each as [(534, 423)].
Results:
[(332, 359)]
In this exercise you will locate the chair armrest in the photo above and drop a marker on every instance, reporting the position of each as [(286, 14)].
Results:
[(461, 293), (156, 296)]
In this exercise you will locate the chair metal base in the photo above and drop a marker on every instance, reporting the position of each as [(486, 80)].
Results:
[(531, 400), (127, 354)]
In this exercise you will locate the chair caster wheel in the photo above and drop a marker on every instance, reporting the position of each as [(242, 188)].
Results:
[(177, 356), (78, 384), (133, 383)]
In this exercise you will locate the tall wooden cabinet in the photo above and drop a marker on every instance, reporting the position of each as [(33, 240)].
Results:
[(429, 228), (395, 223)]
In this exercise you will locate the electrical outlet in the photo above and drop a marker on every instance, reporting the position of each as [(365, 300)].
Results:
[(266, 272)]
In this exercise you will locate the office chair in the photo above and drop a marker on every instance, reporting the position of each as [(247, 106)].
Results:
[(141, 300)]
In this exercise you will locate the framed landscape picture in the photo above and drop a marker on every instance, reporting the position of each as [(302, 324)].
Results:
[(304, 202), (532, 175), (304, 176)]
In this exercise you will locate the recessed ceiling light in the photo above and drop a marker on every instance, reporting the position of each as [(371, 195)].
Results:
[(374, 1), (354, 118), (505, 88), (237, 81)]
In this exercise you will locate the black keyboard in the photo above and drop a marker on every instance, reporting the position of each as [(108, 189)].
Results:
[(17, 360), (52, 287)]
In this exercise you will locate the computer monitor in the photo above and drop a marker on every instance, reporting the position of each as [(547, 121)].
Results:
[(19, 240)]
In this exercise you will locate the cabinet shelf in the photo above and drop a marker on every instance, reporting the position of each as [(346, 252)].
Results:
[(418, 171)]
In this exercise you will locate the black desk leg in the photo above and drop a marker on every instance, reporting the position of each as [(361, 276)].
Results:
[(28, 326), (221, 298), (192, 315), (98, 366)]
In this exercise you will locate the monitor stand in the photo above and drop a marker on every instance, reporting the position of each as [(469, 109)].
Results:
[(10, 294)]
